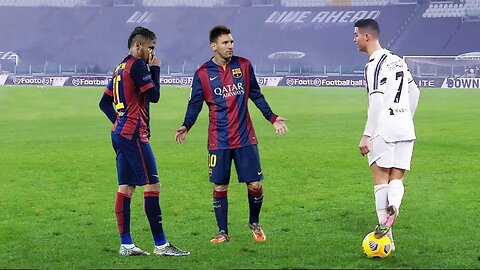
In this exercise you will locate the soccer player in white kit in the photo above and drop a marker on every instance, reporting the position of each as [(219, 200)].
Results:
[(389, 133)]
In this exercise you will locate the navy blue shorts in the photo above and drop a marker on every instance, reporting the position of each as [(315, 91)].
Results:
[(135, 161), (247, 164)]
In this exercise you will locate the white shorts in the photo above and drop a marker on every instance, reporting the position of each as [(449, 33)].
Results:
[(390, 154)]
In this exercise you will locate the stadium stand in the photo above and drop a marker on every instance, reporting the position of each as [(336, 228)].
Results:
[(280, 37), (472, 8), (182, 3), (467, 8), (43, 3), (445, 10), (321, 3)]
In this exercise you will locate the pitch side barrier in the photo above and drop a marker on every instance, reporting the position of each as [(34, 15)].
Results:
[(294, 81)]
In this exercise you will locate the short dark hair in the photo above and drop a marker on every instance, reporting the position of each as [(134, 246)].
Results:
[(370, 25), (141, 34), (217, 31)]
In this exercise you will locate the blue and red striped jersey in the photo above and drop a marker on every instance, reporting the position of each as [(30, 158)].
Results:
[(226, 92), (130, 81)]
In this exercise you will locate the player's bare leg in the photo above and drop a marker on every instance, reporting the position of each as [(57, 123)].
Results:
[(220, 206), (126, 189), (255, 200), (380, 175)]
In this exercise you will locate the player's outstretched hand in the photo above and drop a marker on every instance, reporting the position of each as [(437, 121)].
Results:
[(364, 145), (280, 126), (153, 60), (181, 134)]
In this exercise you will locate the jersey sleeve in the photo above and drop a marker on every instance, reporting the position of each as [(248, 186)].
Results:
[(368, 80), (109, 88), (375, 105), (372, 77), (195, 103), (257, 97), (375, 98), (106, 103), (141, 75), (413, 93)]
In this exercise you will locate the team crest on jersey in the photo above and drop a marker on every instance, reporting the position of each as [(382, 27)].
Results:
[(237, 73)]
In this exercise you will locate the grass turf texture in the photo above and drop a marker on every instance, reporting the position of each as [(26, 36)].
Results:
[(58, 183)]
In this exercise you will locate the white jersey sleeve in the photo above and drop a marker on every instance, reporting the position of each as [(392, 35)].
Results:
[(414, 94), (375, 96), (392, 97)]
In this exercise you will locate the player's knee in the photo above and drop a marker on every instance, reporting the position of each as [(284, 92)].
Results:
[(396, 173), (131, 190), (220, 188), (153, 187), (126, 189), (254, 186)]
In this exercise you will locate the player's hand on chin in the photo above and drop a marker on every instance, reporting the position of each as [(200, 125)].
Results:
[(180, 134), (153, 60), (280, 126)]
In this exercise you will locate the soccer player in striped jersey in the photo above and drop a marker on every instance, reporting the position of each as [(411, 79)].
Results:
[(225, 83), (389, 133), (136, 83)]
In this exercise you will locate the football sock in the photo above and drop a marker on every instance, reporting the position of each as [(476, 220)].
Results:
[(381, 200), (390, 234), (220, 205), (122, 211), (395, 193), (154, 215), (255, 200), (161, 246)]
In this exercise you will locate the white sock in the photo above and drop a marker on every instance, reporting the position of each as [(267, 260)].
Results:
[(381, 200), (162, 246), (395, 193), (128, 246), (390, 234)]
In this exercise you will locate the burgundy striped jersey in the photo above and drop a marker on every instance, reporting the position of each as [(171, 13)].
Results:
[(131, 80), (226, 92)]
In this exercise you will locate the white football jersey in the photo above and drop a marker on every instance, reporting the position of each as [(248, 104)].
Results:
[(392, 97)]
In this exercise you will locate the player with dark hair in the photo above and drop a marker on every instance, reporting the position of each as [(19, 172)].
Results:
[(225, 83), (389, 133), (136, 83)]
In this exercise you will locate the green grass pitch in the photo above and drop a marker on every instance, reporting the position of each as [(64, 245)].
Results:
[(58, 184)]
